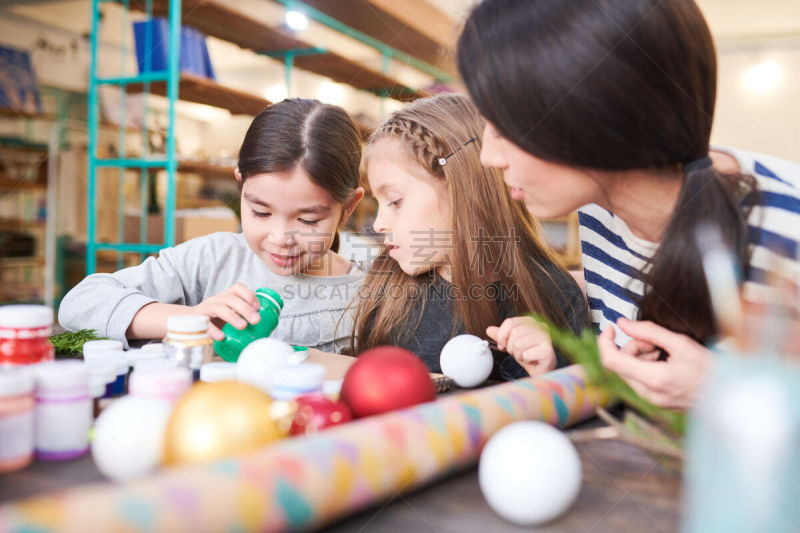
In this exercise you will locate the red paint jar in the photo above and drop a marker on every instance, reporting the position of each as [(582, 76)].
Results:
[(24, 334)]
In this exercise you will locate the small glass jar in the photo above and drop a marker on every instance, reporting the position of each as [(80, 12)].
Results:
[(167, 383), (24, 334), (188, 343), (218, 371), (63, 410), (16, 418)]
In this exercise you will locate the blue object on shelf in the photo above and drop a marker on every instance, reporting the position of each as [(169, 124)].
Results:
[(18, 87), (194, 58)]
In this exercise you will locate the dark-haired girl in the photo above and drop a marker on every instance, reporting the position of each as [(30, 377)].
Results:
[(298, 175), (606, 106)]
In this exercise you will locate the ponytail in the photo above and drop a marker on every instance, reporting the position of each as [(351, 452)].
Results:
[(676, 295)]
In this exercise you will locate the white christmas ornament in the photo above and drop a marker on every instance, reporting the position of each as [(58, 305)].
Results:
[(467, 360), (129, 437), (260, 358), (529, 473)]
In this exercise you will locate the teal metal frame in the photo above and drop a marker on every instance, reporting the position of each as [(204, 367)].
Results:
[(169, 162)]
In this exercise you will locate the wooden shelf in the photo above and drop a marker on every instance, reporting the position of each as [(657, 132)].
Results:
[(12, 185), (343, 70), (18, 223), (27, 148), (204, 91), (206, 169), (217, 20), (11, 112), (415, 27), (21, 262)]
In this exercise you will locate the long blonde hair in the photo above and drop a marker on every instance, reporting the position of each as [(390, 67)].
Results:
[(481, 210)]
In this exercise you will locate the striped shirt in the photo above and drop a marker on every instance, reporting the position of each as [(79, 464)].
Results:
[(612, 254)]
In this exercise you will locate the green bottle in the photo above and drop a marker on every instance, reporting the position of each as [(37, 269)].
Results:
[(235, 340)]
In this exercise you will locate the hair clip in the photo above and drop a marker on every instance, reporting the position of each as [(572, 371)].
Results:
[(443, 160)]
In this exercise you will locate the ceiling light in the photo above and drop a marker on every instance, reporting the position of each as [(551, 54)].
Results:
[(296, 20)]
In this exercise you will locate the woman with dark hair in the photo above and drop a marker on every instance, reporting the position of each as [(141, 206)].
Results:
[(298, 175), (606, 106)]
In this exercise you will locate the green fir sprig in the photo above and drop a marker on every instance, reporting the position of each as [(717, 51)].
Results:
[(70, 343)]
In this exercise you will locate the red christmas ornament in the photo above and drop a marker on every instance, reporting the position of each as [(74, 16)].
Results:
[(316, 412), (384, 379)]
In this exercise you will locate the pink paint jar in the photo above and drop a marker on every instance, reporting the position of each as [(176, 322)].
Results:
[(16, 418), (166, 383), (24, 334)]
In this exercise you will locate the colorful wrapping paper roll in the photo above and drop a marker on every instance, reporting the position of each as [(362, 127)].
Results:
[(305, 482)]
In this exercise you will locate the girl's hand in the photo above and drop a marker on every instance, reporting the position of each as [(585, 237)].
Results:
[(527, 341), (674, 383), (236, 305)]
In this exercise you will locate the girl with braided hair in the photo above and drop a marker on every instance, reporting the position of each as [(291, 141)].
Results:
[(459, 254)]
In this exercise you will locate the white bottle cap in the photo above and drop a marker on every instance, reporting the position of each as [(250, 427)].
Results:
[(154, 364), (153, 347), (135, 355), (25, 316), (58, 375), (15, 381), (166, 383), (218, 371), (102, 344), (290, 381), (115, 357), (187, 327)]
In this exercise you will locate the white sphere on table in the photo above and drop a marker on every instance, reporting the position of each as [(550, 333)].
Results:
[(129, 437), (529, 473)]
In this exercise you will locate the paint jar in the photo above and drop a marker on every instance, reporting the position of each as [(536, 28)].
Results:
[(188, 343), (24, 334), (218, 371), (150, 364), (63, 412), (16, 418), (136, 355), (270, 307), (101, 379), (101, 345), (290, 381), (110, 357), (167, 383)]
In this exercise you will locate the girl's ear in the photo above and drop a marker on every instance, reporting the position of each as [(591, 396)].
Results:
[(237, 175), (358, 195)]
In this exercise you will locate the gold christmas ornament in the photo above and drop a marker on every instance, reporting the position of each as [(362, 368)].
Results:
[(215, 420)]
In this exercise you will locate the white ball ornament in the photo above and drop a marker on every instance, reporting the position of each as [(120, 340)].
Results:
[(129, 437), (529, 473), (259, 360), (467, 360)]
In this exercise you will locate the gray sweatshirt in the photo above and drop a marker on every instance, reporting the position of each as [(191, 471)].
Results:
[(202, 267)]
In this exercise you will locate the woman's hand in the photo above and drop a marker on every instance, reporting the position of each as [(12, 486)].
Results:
[(527, 341), (236, 305), (674, 383)]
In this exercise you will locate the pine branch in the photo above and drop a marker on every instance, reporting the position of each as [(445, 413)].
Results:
[(70, 343), (583, 350)]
